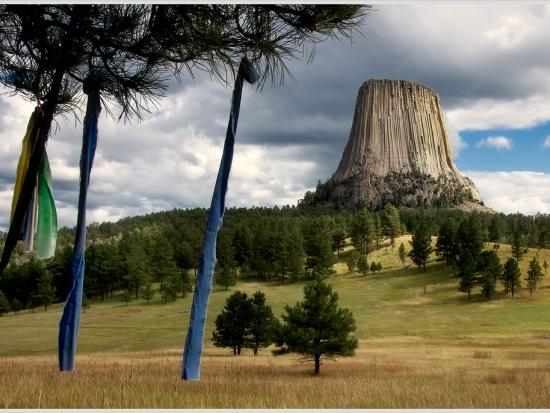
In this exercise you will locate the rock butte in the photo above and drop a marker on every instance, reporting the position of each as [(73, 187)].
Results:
[(398, 151)]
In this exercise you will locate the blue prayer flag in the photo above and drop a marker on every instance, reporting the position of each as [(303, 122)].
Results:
[(70, 320), (203, 283)]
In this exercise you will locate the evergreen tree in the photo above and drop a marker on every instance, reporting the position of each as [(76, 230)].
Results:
[(316, 328), (491, 269), (318, 245), (293, 263), (184, 256), (373, 267), (469, 237), (226, 277), (338, 240), (362, 264), (495, 231), (534, 275), (4, 304), (16, 305), (233, 323), (169, 289), (45, 289), (467, 273), (242, 244), (421, 245), (402, 253), (85, 302), (446, 246), (378, 233), (260, 331), (363, 231), (147, 291), (517, 246), (162, 265), (512, 275), (126, 295), (391, 223), (136, 263), (185, 282), (351, 261)]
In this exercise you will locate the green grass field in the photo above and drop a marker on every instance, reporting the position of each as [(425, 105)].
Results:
[(423, 348)]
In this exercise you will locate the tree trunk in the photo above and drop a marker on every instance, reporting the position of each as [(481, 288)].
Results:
[(234, 350), (239, 349), (469, 294), (317, 363), (256, 349)]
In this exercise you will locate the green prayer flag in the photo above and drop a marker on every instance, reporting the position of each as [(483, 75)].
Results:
[(46, 233)]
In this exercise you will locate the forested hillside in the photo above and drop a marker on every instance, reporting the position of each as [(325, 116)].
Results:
[(283, 244)]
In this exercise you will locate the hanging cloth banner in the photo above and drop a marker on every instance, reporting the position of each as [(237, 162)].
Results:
[(24, 158), (46, 232), (41, 208), (70, 320), (203, 283)]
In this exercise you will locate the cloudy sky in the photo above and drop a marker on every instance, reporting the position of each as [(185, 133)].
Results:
[(489, 63)]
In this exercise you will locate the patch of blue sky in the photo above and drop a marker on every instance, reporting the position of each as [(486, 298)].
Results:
[(527, 153)]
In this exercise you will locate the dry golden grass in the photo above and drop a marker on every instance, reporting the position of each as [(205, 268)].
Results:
[(417, 350), (396, 374)]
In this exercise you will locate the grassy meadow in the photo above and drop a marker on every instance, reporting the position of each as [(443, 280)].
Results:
[(416, 350)]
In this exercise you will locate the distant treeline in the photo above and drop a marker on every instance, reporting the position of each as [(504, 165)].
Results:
[(268, 244)]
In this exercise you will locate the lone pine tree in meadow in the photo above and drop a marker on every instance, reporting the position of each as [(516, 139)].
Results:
[(512, 276), (534, 274), (317, 328), (421, 245), (402, 253)]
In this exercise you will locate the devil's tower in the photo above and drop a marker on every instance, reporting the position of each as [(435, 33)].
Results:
[(398, 151)]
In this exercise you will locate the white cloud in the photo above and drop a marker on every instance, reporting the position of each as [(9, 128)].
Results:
[(516, 191), (457, 144), (546, 143), (509, 114), (509, 34), (496, 142)]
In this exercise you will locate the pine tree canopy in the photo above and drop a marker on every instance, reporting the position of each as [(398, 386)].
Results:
[(131, 50)]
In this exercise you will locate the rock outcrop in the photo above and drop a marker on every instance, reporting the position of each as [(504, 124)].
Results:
[(398, 151)]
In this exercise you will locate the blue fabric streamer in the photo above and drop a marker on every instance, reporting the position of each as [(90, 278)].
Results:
[(68, 326), (203, 284)]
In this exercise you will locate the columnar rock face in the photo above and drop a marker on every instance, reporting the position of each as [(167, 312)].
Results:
[(398, 151)]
